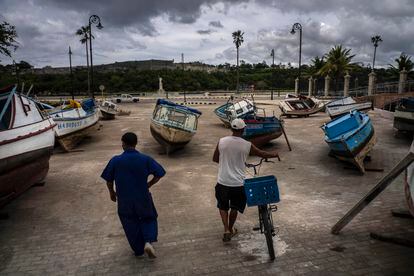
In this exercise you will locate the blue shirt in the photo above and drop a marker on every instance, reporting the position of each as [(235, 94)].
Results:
[(130, 171)]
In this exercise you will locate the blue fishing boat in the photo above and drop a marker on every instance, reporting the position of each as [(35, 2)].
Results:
[(232, 110), (350, 137), (173, 125), (260, 130)]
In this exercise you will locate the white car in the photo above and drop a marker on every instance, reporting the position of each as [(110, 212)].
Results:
[(125, 98)]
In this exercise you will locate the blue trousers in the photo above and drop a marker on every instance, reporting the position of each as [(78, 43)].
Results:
[(138, 229)]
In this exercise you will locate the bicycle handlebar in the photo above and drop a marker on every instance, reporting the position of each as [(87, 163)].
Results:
[(260, 162)]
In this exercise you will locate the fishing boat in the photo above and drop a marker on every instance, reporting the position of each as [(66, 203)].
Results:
[(234, 109), (108, 110), (300, 106), (74, 122), (260, 130), (404, 115), (173, 125), (350, 137), (26, 143), (345, 105)]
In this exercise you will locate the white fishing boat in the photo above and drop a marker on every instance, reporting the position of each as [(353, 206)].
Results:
[(344, 106), (108, 110), (300, 106), (173, 125), (26, 143), (235, 109), (74, 122)]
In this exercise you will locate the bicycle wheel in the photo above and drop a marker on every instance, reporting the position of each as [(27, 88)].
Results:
[(267, 225)]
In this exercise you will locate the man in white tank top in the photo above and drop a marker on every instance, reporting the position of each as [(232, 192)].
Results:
[(231, 154)]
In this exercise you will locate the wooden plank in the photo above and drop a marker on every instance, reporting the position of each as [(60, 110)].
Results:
[(375, 191), (391, 239), (284, 134)]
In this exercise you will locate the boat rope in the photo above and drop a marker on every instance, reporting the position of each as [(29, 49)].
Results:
[(7, 103)]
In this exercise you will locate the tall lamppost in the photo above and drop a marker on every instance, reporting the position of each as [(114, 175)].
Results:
[(93, 19), (272, 54), (375, 40), (298, 27)]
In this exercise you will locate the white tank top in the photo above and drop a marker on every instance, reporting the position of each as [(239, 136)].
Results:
[(233, 155)]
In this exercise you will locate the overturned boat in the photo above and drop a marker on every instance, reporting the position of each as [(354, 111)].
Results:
[(260, 130), (344, 106), (404, 115), (74, 122), (26, 144), (350, 137), (108, 110), (173, 125), (234, 109), (300, 106)]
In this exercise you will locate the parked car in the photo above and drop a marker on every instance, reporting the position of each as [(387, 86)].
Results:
[(125, 98)]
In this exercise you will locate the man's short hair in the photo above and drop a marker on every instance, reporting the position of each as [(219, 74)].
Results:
[(130, 139)]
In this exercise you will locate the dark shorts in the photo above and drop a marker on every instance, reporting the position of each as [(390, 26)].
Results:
[(230, 198)]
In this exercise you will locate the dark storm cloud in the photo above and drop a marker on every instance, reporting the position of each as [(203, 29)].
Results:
[(204, 32), (123, 13), (216, 24)]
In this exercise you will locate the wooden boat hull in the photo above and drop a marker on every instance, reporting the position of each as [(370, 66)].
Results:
[(170, 138), (358, 158), (288, 110), (25, 147), (264, 139), (404, 120), (70, 131), (336, 111), (409, 188), (261, 130), (28, 169), (350, 137), (108, 114)]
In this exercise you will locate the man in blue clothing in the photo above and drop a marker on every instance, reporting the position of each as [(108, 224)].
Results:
[(130, 171)]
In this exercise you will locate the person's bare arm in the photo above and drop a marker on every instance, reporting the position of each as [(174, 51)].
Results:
[(261, 153), (153, 181), (216, 155), (112, 194)]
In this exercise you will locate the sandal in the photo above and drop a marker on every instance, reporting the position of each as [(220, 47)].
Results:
[(234, 232), (227, 237)]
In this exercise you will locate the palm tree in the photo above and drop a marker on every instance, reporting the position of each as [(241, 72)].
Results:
[(338, 61), (8, 37), (316, 64), (83, 32), (402, 62), (238, 40), (375, 40)]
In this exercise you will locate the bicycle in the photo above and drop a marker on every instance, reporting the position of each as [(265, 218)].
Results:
[(263, 192)]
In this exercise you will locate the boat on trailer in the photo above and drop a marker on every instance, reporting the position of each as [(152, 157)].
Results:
[(345, 105), (173, 125), (108, 110), (350, 137), (235, 109), (300, 106), (74, 122), (26, 143), (260, 130), (404, 115)]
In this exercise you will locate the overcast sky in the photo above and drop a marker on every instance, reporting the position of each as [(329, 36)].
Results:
[(163, 29)]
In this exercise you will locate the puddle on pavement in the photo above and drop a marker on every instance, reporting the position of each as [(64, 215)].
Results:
[(254, 244)]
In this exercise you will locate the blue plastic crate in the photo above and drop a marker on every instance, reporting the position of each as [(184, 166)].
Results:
[(261, 190)]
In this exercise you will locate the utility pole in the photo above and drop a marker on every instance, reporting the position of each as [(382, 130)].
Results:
[(272, 54), (71, 74), (182, 63)]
